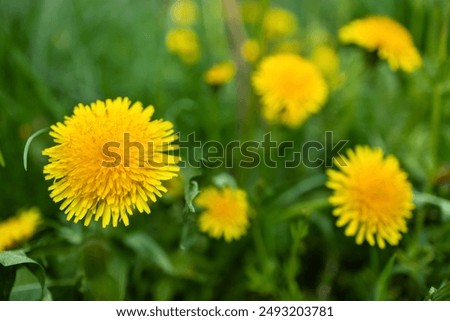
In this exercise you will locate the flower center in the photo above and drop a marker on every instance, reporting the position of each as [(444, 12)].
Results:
[(375, 197)]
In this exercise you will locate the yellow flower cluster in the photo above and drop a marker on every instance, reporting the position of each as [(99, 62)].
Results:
[(184, 12), (250, 50), (185, 44), (220, 74), (19, 229), (371, 194), (279, 23), (182, 40)]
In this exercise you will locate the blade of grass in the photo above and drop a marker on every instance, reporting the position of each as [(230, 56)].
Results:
[(27, 146)]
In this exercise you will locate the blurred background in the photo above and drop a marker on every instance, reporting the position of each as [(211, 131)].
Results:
[(55, 54)]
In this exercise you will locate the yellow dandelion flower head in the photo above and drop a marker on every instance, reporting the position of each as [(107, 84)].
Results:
[(184, 43), (220, 74), (393, 41), (251, 11), (184, 12), (279, 23), (292, 89), (371, 195), (109, 159), (20, 228), (226, 212), (250, 50)]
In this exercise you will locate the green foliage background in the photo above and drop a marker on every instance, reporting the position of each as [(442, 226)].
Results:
[(55, 54)]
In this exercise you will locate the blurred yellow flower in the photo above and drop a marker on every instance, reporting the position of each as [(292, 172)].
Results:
[(392, 41), (291, 87), (109, 159), (250, 50), (184, 12), (251, 11), (326, 59), (226, 212), (220, 74), (279, 23), (185, 44), (372, 196), (19, 229)]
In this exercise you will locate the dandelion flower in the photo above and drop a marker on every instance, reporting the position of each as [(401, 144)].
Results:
[(279, 23), (184, 12), (19, 229), (250, 50), (109, 159), (392, 41), (220, 74), (226, 212), (184, 43), (291, 87), (372, 196)]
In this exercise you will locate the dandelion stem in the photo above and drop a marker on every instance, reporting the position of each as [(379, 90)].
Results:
[(436, 99), (417, 20), (236, 37), (265, 5), (374, 260), (259, 243), (215, 120)]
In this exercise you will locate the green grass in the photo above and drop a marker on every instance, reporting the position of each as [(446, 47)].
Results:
[(55, 54)]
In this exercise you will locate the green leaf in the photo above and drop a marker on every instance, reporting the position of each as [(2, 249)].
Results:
[(223, 180), (441, 294), (16, 259), (305, 208), (7, 277), (424, 198), (304, 186), (383, 279), (189, 229), (191, 191), (150, 251), (26, 286), (27, 146)]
